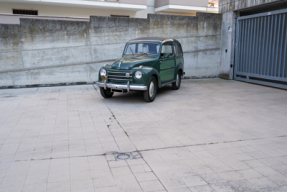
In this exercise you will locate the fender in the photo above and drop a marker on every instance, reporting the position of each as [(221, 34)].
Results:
[(179, 67), (147, 73)]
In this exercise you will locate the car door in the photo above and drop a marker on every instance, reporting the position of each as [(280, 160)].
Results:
[(167, 63), (178, 55)]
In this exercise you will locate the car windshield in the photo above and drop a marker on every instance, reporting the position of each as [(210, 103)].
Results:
[(142, 48)]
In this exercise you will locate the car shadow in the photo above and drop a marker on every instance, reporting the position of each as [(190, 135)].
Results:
[(137, 96)]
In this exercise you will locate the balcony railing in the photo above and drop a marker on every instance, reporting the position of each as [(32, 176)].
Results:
[(136, 2), (193, 3), (186, 6)]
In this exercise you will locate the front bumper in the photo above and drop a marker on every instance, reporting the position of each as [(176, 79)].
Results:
[(127, 87)]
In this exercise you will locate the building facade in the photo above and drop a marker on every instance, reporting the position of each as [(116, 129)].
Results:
[(254, 41), (12, 10)]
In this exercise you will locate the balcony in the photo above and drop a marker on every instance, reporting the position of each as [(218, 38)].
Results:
[(131, 5), (186, 6)]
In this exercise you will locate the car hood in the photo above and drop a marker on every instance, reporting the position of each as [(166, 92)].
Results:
[(131, 61)]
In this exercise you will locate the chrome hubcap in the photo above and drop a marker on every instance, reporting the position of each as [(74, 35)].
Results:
[(151, 89), (177, 80)]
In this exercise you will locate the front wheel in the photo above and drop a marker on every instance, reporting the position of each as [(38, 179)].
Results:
[(176, 84), (106, 93), (150, 93)]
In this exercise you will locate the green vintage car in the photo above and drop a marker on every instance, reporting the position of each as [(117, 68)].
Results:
[(147, 64)]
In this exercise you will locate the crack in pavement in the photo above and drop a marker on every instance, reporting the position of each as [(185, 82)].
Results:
[(133, 146), (143, 150)]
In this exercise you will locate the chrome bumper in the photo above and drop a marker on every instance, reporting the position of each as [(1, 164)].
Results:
[(127, 87)]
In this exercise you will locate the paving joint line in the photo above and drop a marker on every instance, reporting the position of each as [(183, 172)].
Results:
[(138, 151), (213, 143)]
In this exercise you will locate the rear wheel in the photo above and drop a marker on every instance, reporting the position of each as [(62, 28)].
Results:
[(176, 84), (150, 93), (106, 93)]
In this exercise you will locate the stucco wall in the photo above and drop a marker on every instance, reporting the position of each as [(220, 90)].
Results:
[(51, 52)]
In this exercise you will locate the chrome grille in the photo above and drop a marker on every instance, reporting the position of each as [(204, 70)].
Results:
[(119, 76)]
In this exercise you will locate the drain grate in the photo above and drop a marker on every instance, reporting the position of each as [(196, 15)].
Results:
[(123, 156)]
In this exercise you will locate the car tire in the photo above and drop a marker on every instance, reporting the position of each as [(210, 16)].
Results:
[(106, 93), (150, 93), (177, 83)]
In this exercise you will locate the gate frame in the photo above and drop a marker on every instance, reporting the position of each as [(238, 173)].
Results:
[(237, 48)]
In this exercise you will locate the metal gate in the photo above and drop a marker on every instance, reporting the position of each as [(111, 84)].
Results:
[(261, 49)]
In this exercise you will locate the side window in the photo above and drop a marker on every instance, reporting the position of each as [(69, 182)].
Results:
[(167, 48), (177, 49)]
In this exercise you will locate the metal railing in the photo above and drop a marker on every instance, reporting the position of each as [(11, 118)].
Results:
[(261, 46)]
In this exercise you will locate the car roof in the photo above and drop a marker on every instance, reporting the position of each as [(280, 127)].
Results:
[(158, 39)]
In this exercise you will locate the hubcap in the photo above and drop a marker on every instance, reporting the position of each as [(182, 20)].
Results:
[(177, 80), (151, 89)]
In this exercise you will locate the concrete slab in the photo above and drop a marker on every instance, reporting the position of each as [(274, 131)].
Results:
[(211, 135)]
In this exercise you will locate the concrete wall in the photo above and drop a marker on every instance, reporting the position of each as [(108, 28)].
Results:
[(227, 45), (233, 5), (51, 52)]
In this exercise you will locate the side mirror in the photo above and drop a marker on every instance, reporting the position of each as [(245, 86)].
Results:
[(166, 55)]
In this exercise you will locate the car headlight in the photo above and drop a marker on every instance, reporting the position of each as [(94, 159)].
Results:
[(138, 75), (103, 72)]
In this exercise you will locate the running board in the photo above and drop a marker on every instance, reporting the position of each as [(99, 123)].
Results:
[(168, 83)]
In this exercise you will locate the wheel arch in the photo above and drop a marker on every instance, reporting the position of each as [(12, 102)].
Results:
[(153, 72), (179, 68), (157, 79)]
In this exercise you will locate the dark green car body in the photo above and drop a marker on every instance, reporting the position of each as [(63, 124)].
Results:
[(164, 67)]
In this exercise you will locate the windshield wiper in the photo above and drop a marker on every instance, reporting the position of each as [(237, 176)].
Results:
[(143, 53), (132, 51)]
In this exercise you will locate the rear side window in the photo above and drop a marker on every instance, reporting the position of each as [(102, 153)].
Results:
[(177, 49), (167, 48)]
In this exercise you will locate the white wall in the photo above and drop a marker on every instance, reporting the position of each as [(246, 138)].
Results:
[(64, 11)]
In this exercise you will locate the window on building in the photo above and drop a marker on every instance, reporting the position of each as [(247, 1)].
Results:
[(120, 16), (25, 12)]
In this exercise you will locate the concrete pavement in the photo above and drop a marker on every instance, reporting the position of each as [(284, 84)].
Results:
[(211, 135)]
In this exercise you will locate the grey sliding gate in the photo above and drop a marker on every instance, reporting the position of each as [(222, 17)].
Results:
[(261, 49)]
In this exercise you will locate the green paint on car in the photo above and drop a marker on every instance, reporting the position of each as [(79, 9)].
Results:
[(146, 64)]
